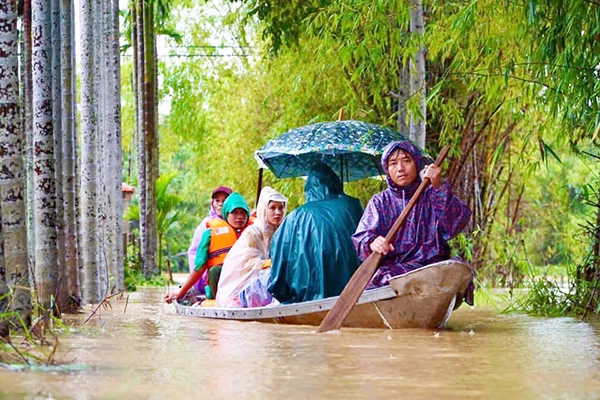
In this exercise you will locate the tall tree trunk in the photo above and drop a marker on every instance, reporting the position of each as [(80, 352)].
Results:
[(144, 160), (141, 137), (135, 86), (101, 133), (89, 191), (417, 81), (118, 148), (28, 125), (12, 175), (62, 295), (108, 139), (71, 271), (46, 268), (151, 141)]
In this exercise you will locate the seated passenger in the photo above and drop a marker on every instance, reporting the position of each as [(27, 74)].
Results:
[(250, 254), (437, 217), (215, 243), (312, 251), (216, 206)]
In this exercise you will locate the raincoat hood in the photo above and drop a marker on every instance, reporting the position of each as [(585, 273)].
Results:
[(416, 155), (267, 195), (322, 184), (234, 200)]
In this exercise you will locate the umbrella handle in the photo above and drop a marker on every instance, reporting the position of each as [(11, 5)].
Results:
[(259, 186)]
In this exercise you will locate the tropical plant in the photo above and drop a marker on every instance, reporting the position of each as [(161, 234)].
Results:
[(171, 211)]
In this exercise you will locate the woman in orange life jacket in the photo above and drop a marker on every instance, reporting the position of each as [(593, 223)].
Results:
[(219, 195), (216, 243)]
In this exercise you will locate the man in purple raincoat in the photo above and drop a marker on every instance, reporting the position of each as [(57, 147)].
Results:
[(437, 217)]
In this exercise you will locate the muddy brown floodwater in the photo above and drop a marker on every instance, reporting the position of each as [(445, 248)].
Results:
[(146, 351)]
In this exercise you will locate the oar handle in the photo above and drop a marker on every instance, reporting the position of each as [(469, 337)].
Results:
[(394, 229)]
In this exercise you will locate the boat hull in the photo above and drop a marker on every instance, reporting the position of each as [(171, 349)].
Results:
[(423, 298)]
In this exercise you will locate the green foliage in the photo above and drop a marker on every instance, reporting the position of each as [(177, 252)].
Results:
[(501, 92), (563, 54), (543, 297), (172, 214), (281, 17), (134, 277)]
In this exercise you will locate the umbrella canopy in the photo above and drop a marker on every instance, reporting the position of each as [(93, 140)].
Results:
[(351, 148)]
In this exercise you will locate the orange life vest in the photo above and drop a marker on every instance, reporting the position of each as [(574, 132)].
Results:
[(222, 238)]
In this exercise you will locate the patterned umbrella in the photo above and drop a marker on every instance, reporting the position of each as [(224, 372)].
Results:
[(351, 148)]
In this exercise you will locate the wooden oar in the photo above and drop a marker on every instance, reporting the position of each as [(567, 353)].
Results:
[(349, 296)]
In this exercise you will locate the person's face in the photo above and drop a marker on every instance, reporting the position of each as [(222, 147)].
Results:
[(402, 168), (218, 200), (237, 218), (275, 212)]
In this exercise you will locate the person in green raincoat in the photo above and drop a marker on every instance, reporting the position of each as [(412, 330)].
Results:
[(216, 241), (312, 252)]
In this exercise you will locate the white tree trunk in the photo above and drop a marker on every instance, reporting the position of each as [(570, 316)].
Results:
[(46, 268), (141, 147), (101, 133), (417, 81), (28, 125), (12, 173), (107, 98), (117, 166), (89, 168), (62, 294), (71, 270)]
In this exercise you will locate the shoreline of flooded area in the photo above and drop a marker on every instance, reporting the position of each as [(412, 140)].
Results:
[(139, 348)]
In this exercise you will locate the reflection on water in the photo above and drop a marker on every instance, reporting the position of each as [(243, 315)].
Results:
[(148, 352)]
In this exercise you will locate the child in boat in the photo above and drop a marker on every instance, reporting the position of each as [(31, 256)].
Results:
[(219, 195), (312, 250), (215, 243), (249, 258), (437, 217)]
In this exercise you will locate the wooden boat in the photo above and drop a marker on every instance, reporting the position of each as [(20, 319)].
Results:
[(423, 298)]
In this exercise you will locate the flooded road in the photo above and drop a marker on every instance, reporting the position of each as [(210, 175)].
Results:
[(145, 351)]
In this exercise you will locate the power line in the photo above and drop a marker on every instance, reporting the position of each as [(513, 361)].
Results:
[(194, 55)]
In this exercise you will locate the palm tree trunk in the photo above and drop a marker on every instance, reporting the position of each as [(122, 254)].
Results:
[(12, 175), (46, 268), (118, 149), (151, 141), (28, 125), (141, 136), (100, 147), (109, 149), (71, 271), (135, 85), (89, 191), (62, 295)]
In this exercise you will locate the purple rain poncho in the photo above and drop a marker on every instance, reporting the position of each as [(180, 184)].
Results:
[(437, 217)]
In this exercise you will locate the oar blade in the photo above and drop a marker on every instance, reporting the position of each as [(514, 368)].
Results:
[(350, 295)]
